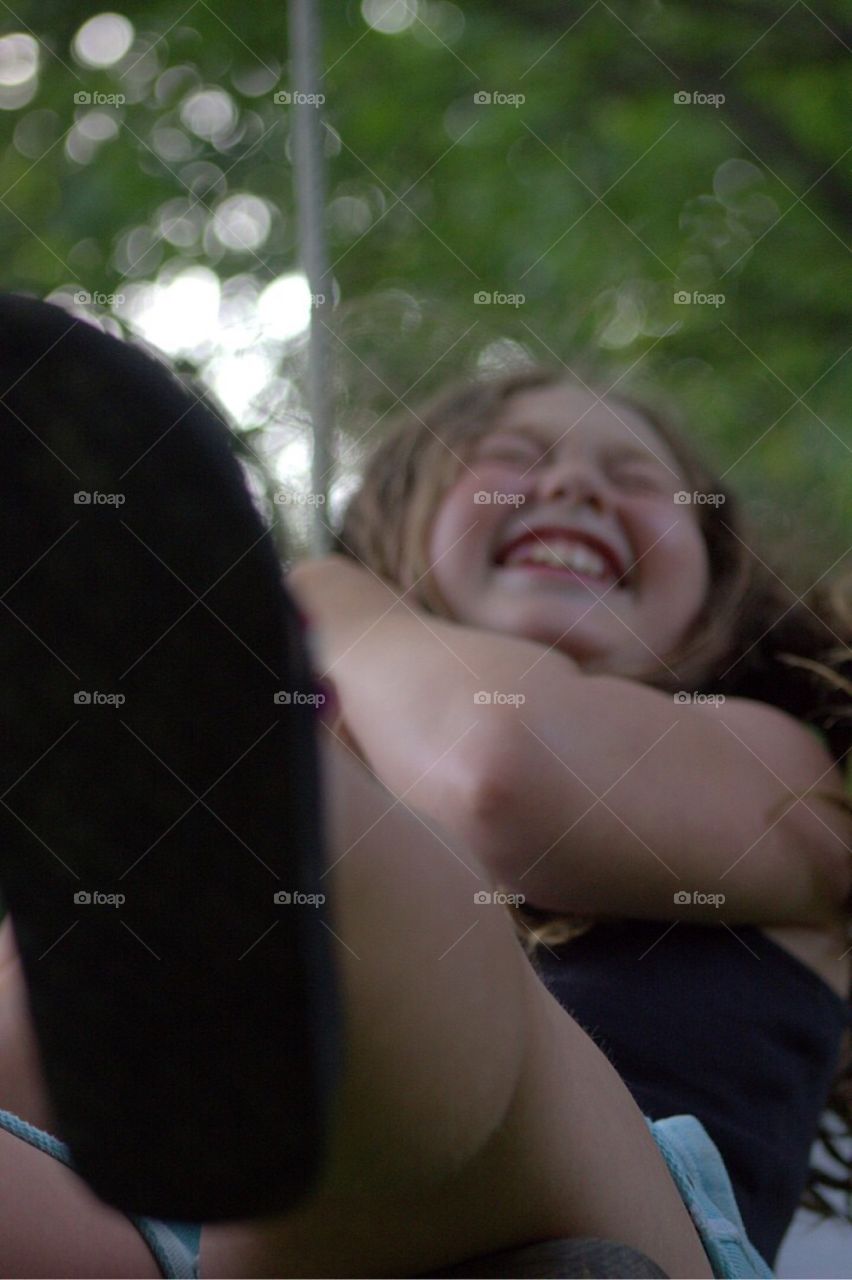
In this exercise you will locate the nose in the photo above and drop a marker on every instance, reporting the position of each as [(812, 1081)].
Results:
[(575, 479)]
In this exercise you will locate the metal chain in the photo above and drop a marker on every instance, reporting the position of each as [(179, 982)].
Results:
[(309, 176)]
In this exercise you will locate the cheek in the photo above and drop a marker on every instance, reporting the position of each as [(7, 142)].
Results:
[(451, 518), (464, 527), (447, 551), (677, 561), (452, 542)]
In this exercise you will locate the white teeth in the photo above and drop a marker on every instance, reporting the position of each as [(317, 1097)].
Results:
[(563, 554)]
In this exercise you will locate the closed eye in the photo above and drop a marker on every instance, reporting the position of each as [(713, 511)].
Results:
[(509, 453), (518, 459), (511, 450), (642, 478)]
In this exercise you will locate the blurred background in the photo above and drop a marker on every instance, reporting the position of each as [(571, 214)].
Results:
[(660, 189)]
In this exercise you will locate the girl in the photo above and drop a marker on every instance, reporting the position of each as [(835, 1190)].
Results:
[(453, 1132), (644, 780), (475, 1113)]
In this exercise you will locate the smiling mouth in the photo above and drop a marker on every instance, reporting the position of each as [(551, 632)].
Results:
[(568, 558)]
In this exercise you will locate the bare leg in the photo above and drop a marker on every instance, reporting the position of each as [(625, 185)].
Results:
[(51, 1223), (475, 1114)]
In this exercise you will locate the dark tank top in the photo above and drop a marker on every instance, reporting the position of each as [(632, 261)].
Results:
[(723, 1024)]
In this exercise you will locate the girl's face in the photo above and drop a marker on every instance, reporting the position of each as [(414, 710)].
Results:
[(590, 553)]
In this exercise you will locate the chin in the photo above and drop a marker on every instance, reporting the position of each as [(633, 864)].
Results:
[(584, 649)]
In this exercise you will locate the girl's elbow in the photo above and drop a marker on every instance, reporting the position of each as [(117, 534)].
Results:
[(493, 810), (825, 844)]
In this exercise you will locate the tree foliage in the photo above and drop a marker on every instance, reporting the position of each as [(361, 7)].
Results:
[(598, 199)]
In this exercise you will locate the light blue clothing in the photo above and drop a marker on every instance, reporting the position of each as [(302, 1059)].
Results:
[(175, 1245), (699, 1172), (693, 1160)]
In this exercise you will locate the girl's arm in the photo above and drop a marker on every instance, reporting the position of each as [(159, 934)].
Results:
[(596, 794), (609, 797), (410, 684)]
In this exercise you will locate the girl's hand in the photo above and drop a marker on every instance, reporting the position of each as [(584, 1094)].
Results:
[(343, 735), (342, 601)]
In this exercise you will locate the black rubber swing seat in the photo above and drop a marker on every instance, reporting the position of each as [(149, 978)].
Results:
[(156, 793), (558, 1260)]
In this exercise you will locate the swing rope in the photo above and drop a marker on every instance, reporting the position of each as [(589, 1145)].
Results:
[(309, 187)]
